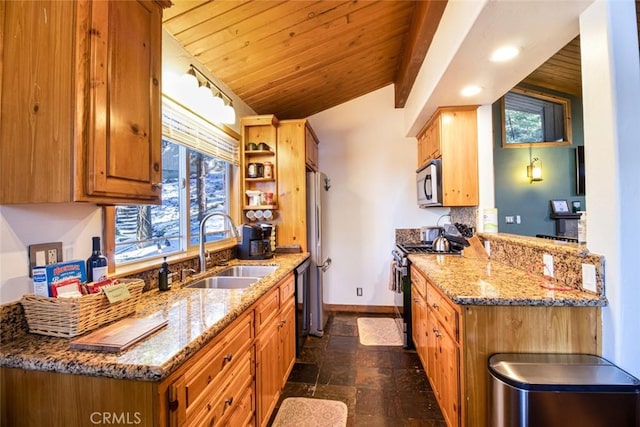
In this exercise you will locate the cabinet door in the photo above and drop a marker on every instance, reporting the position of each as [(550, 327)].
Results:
[(287, 341), (459, 136), (268, 375), (311, 149), (123, 140), (448, 359), (36, 126)]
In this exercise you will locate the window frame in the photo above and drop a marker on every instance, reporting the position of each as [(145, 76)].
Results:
[(564, 102), (191, 251)]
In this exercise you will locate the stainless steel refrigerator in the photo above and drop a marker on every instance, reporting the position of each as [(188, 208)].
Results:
[(317, 188)]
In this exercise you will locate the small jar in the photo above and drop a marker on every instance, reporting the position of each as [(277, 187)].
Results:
[(268, 170)]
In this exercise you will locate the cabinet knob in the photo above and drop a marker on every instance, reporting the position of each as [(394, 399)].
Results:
[(209, 379), (156, 186), (436, 306), (228, 357), (228, 402)]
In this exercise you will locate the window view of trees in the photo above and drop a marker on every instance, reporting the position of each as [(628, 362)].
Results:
[(522, 126), (193, 184)]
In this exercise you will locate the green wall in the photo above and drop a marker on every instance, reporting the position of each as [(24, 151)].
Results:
[(515, 195)]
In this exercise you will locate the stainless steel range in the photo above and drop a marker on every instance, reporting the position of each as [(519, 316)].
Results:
[(401, 285)]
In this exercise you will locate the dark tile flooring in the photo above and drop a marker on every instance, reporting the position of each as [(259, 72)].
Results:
[(381, 386)]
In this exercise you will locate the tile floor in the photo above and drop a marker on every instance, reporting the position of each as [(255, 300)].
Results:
[(381, 386)]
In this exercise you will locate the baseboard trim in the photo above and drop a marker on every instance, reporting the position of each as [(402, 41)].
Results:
[(386, 309)]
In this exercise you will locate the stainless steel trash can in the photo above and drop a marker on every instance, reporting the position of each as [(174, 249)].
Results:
[(563, 390)]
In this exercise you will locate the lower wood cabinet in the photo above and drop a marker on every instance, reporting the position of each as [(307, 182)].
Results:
[(275, 347), (437, 345), (210, 389), (454, 343)]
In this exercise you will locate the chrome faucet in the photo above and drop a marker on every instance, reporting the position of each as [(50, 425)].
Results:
[(234, 230)]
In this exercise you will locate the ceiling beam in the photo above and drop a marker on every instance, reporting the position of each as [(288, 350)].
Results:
[(424, 23)]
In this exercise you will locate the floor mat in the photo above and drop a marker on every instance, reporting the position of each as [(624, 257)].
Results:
[(305, 412), (378, 331)]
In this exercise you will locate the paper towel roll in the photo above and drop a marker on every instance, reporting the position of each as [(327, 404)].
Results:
[(490, 220)]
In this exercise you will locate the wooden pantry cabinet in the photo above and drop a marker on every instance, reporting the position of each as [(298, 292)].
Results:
[(451, 135), (293, 149), (454, 343), (297, 142), (80, 102)]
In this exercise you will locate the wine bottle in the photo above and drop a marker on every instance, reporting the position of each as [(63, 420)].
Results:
[(96, 263), (163, 276)]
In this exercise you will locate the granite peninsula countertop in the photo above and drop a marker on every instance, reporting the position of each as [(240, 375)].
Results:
[(478, 281), (194, 317)]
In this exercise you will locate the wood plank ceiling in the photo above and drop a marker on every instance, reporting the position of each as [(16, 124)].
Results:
[(297, 58)]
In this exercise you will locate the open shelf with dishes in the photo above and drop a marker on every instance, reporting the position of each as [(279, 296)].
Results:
[(259, 154)]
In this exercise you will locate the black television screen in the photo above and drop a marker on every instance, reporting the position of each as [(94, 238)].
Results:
[(580, 170)]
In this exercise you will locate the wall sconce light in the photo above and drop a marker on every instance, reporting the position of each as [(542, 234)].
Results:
[(197, 92), (534, 171)]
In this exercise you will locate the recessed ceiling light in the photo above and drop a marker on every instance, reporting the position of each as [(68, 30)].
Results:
[(504, 53), (470, 90)]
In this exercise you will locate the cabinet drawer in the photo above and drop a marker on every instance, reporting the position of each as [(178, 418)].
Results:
[(419, 282), (287, 288), (216, 363), (244, 411), (443, 310), (267, 309), (223, 400)]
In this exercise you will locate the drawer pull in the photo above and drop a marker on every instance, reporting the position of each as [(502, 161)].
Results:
[(228, 402), (228, 357), (435, 306), (437, 332), (209, 379)]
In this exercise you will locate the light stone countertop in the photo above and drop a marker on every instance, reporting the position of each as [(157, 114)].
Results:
[(477, 281), (195, 317)]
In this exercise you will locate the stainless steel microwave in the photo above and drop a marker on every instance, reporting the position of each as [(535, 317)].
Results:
[(429, 184)]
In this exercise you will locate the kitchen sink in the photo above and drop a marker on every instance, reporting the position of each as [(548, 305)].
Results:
[(247, 271), (224, 282)]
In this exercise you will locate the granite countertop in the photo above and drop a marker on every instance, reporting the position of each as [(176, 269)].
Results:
[(478, 281), (195, 316)]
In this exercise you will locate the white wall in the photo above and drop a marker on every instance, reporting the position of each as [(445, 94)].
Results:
[(24, 225), (371, 166), (611, 91)]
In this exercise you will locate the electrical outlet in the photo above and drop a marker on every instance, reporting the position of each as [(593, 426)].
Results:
[(359, 292), (547, 259), (44, 254), (508, 219), (52, 256)]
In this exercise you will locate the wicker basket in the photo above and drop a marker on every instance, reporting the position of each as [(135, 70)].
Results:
[(69, 317)]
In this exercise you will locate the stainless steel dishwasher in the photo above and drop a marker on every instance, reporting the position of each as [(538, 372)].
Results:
[(563, 390), (303, 310)]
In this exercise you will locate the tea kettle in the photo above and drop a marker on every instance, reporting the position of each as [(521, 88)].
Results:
[(441, 244)]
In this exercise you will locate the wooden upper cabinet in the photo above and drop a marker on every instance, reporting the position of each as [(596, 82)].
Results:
[(451, 135), (311, 149), (81, 102)]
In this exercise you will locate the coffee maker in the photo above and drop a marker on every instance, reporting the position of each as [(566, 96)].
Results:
[(256, 242)]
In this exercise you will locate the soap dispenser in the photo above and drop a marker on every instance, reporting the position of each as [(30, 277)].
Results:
[(163, 276)]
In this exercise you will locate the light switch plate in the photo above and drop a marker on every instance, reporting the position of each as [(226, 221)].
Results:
[(43, 254)]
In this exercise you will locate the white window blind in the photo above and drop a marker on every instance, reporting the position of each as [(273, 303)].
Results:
[(187, 128)]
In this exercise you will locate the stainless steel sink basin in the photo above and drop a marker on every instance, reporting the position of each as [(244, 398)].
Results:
[(224, 282), (247, 271)]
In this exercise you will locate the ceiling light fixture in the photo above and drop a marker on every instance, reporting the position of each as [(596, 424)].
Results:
[(471, 91), (504, 53), (197, 92)]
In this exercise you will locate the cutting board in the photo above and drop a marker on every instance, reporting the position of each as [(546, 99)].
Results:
[(475, 249), (120, 335)]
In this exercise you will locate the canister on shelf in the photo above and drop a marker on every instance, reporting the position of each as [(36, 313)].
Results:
[(268, 170)]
